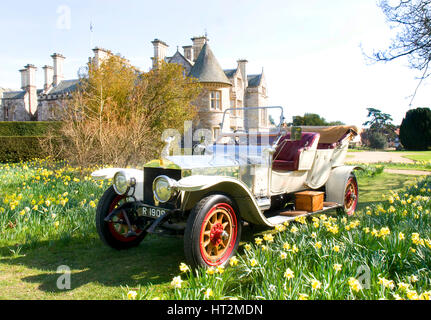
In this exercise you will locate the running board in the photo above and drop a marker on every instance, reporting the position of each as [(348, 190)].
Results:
[(283, 216)]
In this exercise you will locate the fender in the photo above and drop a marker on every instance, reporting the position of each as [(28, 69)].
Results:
[(109, 173), (337, 182), (196, 187)]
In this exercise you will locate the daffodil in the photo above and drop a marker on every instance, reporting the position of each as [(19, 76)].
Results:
[(233, 261), (258, 241), (253, 262), (208, 293), (337, 267), (316, 284), (184, 267), (303, 296), (354, 284), (210, 271), (318, 245), (131, 295), (289, 274), (220, 269), (268, 237), (176, 282)]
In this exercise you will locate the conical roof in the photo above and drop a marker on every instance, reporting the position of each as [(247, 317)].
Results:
[(207, 68)]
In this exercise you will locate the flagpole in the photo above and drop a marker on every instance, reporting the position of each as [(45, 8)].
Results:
[(91, 35)]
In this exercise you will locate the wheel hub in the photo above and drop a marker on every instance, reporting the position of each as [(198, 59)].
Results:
[(217, 234)]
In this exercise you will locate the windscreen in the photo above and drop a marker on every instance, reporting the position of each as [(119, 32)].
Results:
[(252, 120)]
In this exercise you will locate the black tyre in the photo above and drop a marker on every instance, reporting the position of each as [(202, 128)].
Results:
[(351, 196), (114, 234), (213, 232)]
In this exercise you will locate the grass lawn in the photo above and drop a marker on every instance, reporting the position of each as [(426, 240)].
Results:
[(33, 245), (418, 155)]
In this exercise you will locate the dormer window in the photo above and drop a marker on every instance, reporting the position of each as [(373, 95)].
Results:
[(215, 100)]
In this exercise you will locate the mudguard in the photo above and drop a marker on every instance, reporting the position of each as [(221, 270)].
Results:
[(337, 182), (196, 187)]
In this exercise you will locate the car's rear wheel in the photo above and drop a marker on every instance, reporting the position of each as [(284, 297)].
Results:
[(213, 232), (115, 232), (351, 196)]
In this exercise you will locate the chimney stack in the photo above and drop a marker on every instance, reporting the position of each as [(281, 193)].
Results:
[(198, 43), (58, 68), (23, 78), (188, 53), (160, 49), (100, 55), (49, 77), (31, 104), (242, 65)]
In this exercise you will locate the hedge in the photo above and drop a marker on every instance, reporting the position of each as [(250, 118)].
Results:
[(15, 149), (27, 129)]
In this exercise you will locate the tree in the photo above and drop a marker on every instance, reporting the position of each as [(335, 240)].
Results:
[(118, 114), (379, 120), (413, 20), (376, 140), (379, 128), (312, 119), (415, 130)]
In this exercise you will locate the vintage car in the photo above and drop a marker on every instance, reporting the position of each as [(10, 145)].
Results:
[(247, 176)]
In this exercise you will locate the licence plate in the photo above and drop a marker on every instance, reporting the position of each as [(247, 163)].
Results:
[(152, 212)]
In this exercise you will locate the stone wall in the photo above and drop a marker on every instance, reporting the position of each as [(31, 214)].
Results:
[(49, 109), (17, 110)]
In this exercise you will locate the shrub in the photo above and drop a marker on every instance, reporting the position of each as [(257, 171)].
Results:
[(377, 140), (118, 115), (415, 130), (15, 149)]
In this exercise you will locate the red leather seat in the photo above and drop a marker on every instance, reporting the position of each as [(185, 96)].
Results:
[(286, 156)]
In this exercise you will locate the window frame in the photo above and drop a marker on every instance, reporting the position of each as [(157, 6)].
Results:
[(216, 100)]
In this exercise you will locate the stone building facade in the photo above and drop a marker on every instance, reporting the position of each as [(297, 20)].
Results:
[(32, 104), (222, 89)]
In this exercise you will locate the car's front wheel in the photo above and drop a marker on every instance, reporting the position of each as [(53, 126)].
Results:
[(116, 233), (213, 232)]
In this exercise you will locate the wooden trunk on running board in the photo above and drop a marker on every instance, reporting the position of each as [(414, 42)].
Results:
[(310, 201)]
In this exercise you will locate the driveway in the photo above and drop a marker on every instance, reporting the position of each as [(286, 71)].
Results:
[(376, 156)]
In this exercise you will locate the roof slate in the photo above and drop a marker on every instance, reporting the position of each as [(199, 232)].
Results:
[(13, 94), (65, 86), (230, 72), (254, 80), (207, 68)]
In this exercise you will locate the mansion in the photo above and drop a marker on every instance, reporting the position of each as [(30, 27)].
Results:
[(222, 89)]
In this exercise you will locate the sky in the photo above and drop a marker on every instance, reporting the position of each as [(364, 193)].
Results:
[(312, 52)]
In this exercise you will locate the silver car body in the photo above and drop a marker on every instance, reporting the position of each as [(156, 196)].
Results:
[(243, 170)]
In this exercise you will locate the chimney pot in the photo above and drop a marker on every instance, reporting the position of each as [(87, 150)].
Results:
[(58, 60), (49, 77), (242, 65), (160, 49), (198, 43), (188, 52)]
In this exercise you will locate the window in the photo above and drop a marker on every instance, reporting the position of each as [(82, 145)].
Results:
[(6, 113), (215, 99)]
